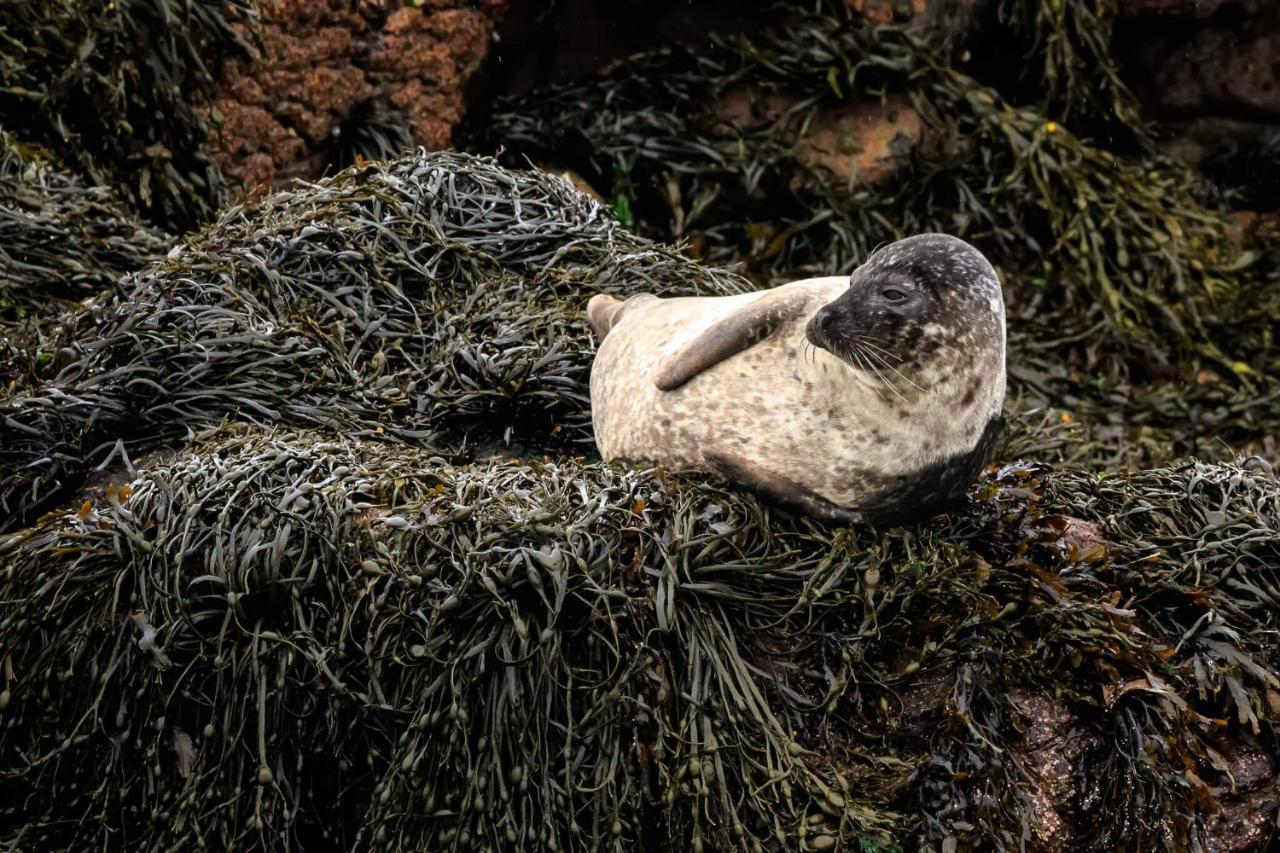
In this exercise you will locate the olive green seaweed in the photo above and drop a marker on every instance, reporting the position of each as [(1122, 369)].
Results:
[(120, 90), (438, 291), (60, 240), (562, 654)]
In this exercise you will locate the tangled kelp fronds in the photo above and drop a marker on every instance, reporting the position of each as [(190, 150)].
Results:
[(568, 655), (115, 89), (61, 241), (1120, 275), (436, 300), (468, 650)]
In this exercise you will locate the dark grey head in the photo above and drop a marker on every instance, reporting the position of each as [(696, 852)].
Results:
[(911, 301)]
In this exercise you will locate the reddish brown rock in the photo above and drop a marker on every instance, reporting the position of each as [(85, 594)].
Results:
[(942, 22), (1204, 57), (1053, 747), (887, 11), (1248, 801), (282, 115), (861, 145)]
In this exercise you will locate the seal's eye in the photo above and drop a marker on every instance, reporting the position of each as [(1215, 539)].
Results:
[(894, 295)]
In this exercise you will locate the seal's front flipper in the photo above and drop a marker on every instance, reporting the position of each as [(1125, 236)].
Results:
[(780, 489), (741, 330)]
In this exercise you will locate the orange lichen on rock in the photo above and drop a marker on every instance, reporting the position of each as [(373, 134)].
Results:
[(423, 60), (282, 115)]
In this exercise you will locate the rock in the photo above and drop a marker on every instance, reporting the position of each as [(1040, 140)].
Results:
[(861, 144), (887, 11), (944, 23), (1208, 70), (323, 61), (1220, 59), (1247, 801), (1053, 747)]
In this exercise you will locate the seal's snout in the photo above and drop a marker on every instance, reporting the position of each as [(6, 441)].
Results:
[(818, 330)]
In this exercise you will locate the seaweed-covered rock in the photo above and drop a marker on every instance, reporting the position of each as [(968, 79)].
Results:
[(61, 240), (353, 304), (351, 577), (282, 639), (115, 90)]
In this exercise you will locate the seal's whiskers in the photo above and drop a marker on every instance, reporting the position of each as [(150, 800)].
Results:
[(867, 355), (873, 349)]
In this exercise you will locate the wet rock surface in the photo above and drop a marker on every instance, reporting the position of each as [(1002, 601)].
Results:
[(860, 145)]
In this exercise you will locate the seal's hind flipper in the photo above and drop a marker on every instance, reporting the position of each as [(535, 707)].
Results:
[(604, 311), (741, 330), (600, 311)]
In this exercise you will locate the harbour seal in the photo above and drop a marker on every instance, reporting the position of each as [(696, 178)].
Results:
[(876, 396)]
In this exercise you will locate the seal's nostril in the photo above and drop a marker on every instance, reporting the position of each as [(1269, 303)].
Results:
[(825, 317)]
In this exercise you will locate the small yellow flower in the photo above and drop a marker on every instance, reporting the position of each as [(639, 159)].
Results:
[(1050, 126), (1066, 417)]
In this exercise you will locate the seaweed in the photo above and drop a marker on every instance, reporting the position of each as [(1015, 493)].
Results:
[(119, 89), (350, 576), (568, 655), (351, 304), (1071, 66), (60, 240)]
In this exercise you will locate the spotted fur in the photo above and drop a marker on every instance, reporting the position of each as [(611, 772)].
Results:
[(877, 395)]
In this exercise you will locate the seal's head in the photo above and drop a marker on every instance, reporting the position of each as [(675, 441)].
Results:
[(912, 303), (922, 322)]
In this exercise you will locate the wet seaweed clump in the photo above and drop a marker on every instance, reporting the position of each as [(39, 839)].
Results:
[(119, 91), (436, 300), (797, 149), (352, 577), (61, 241)]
